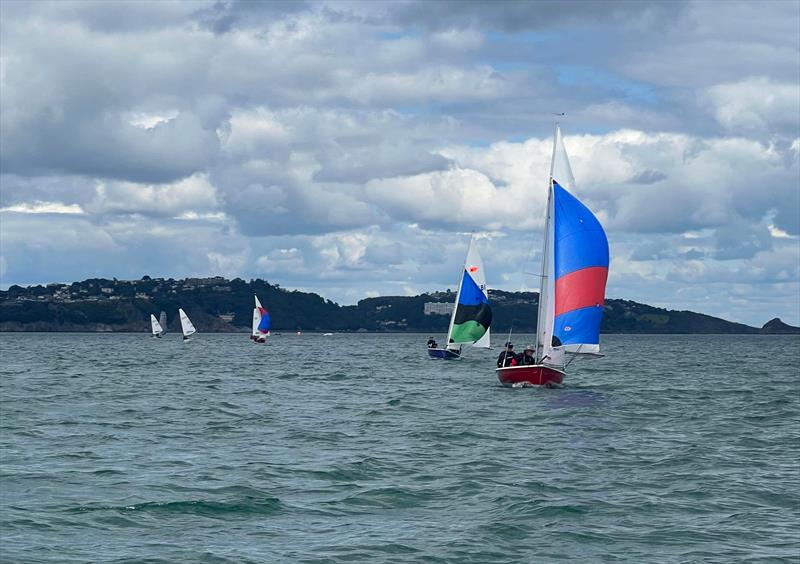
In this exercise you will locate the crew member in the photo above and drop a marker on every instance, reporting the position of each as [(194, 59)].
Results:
[(527, 357), (507, 357)]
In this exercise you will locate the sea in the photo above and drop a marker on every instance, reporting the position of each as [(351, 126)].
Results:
[(358, 448)]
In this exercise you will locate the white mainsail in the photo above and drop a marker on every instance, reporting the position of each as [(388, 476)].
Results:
[(561, 172), (155, 326), (256, 321), (162, 320), (186, 324)]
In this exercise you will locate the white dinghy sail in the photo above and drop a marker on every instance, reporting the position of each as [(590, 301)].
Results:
[(186, 325), (155, 326), (471, 316)]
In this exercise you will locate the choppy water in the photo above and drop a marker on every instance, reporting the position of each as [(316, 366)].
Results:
[(357, 448)]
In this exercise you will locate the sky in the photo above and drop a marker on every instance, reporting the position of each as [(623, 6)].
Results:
[(350, 148)]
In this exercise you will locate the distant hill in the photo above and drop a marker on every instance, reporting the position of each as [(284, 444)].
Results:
[(220, 305), (778, 327)]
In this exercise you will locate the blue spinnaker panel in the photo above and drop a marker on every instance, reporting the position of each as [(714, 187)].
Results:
[(580, 241), (579, 326), (266, 322), (471, 294)]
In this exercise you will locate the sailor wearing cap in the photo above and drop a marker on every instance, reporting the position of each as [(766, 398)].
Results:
[(527, 357), (507, 357)]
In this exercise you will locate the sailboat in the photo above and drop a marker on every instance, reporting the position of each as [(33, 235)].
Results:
[(155, 327), (575, 263), (162, 320), (186, 325), (472, 316), (262, 323)]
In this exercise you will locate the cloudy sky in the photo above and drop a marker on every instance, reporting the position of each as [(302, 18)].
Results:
[(350, 147)]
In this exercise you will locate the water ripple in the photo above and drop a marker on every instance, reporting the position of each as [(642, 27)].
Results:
[(121, 448)]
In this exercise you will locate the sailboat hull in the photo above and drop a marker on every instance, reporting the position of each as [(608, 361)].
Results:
[(533, 375), (445, 354)]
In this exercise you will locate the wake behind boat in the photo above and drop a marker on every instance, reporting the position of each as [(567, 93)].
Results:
[(472, 316), (575, 263)]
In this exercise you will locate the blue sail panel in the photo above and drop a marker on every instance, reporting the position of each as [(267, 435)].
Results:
[(471, 294), (579, 326), (266, 322), (579, 239)]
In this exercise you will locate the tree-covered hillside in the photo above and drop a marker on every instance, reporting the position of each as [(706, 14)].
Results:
[(217, 304)]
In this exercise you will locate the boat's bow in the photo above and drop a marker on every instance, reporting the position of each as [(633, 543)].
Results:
[(531, 375), (446, 354)]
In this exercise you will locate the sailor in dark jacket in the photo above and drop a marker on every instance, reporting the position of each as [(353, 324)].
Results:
[(432, 344), (527, 357), (507, 357)]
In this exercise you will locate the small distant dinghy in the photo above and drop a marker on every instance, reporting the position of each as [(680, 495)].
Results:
[(262, 323), (155, 327), (186, 325), (573, 282), (472, 316), (162, 320)]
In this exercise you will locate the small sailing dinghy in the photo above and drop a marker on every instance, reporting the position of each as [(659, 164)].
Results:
[(186, 325), (573, 282), (472, 316), (155, 327), (262, 323), (162, 320)]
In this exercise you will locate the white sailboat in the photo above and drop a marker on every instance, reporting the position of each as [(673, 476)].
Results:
[(575, 262), (262, 323), (186, 325), (472, 317), (155, 327)]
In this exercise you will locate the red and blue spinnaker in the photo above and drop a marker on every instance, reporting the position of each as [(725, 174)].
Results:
[(581, 269), (266, 321)]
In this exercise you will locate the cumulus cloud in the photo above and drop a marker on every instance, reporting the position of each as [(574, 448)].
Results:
[(756, 105), (270, 139), (190, 195)]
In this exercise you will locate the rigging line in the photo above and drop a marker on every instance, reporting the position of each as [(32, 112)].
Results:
[(508, 340), (574, 356)]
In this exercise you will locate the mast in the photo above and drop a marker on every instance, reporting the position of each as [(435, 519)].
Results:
[(544, 280), (458, 294)]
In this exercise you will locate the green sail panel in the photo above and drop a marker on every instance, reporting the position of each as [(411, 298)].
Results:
[(467, 332)]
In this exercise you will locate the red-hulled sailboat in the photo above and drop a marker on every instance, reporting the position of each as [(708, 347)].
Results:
[(573, 282)]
